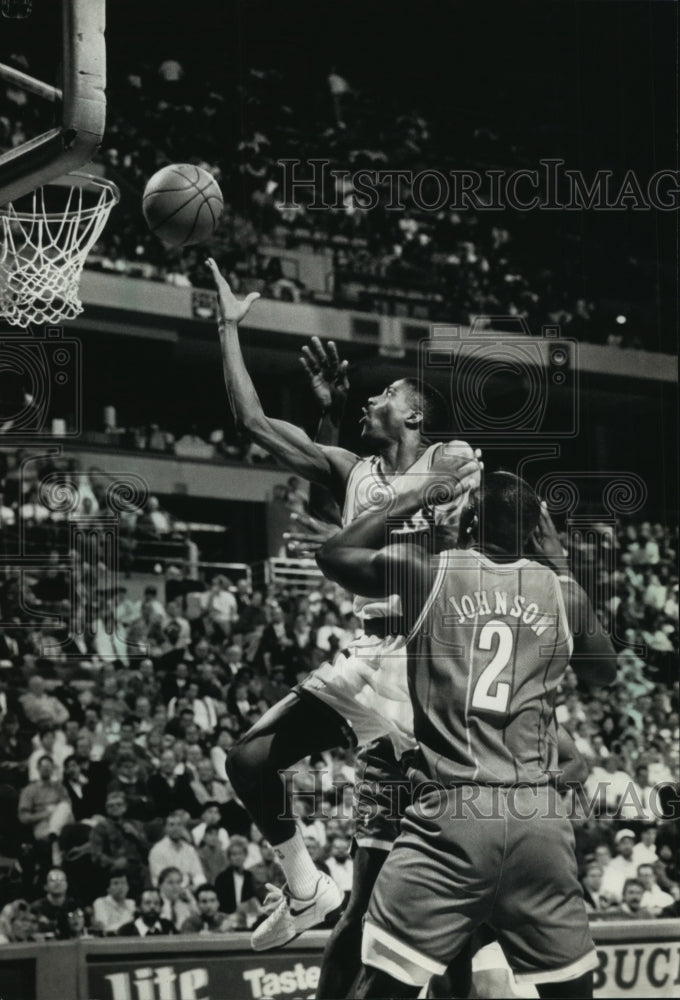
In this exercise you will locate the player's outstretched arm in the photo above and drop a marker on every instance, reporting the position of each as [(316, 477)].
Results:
[(289, 444), (594, 657), (402, 569)]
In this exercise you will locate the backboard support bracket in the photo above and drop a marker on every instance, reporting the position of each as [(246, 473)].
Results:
[(83, 109)]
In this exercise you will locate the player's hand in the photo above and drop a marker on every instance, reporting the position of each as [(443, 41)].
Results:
[(309, 536), (450, 477), (546, 540), (232, 310), (327, 374)]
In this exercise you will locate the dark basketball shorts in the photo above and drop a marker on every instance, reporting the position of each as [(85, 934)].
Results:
[(504, 858), (382, 793)]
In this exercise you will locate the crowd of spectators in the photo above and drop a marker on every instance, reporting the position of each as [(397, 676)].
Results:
[(214, 447), (40, 499), (118, 815), (442, 265)]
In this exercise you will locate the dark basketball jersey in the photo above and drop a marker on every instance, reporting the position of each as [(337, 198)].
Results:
[(484, 660)]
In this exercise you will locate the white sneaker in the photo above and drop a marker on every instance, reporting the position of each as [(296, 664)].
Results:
[(293, 916)]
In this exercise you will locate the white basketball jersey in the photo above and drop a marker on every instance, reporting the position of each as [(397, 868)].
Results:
[(368, 488)]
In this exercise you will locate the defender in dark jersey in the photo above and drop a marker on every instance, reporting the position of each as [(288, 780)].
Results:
[(485, 842)]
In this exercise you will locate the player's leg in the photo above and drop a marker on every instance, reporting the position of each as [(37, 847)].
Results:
[(574, 989), (376, 983), (434, 890), (381, 794), (457, 980), (342, 955), (293, 728), (492, 977), (539, 914)]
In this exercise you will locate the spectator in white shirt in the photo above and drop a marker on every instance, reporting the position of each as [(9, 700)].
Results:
[(658, 636), (607, 783), (110, 642), (620, 868), (599, 747), (177, 903), (7, 515), (39, 707), (158, 519), (204, 709), (639, 801), (329, 629), (152, 601), (210, 816), (644, 852), (174, 612), (174, 851), (603, 855), (582, 741), (47, 743), (670, 608), (653, 898), (220, 607), (110, 912), (655, 593), (659, 771)]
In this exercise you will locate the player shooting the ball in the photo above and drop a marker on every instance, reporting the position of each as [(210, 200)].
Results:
[(364, 697)]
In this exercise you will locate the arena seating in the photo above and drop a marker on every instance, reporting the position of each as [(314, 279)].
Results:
[(444, 265), (147, 702)]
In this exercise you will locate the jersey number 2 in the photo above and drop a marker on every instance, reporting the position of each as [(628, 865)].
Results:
[(481, 699)]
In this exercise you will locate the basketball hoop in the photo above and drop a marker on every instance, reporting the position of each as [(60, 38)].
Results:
[(45, 238)]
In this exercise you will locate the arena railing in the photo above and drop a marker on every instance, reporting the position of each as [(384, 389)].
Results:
[(638, 958), (300, 576)]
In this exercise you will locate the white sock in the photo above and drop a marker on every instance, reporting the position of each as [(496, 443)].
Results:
[(301, 873)]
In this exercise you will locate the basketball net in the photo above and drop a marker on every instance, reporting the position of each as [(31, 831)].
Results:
[(42, 253)]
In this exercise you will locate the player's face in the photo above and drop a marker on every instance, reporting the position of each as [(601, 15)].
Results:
[(385, 415)]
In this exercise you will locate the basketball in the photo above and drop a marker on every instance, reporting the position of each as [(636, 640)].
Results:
[(182, 204)]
